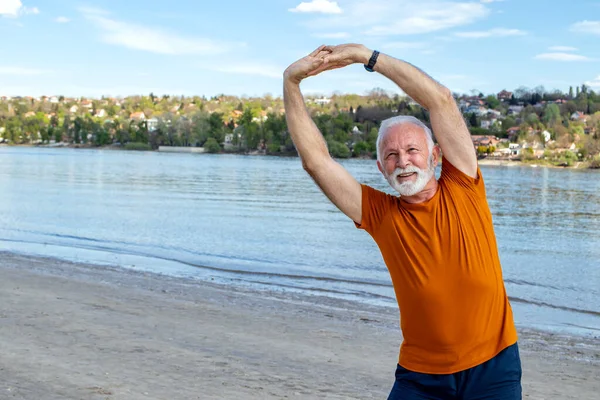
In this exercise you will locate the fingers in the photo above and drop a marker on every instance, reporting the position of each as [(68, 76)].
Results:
[(317, 51)]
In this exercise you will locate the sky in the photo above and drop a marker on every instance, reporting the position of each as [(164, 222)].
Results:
[(205, 48)]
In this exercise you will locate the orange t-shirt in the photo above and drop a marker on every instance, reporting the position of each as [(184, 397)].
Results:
[(443, 260)]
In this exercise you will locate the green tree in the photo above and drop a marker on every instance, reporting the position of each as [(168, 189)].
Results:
[(492, 101), (212, 146), (250, 130), (338, 150), (473, 120), (552, 115), (14, 131), (216, 128)]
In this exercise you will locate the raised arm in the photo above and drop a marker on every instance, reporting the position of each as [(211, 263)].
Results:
[(333, 179), (447, 121)]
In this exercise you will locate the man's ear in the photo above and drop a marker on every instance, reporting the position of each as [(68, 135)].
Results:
[(380, 168), (436, 154)]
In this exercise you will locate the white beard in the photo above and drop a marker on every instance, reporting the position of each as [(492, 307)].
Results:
[(411, 188)]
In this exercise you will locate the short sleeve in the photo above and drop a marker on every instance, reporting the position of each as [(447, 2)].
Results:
[(375, 206), (455, 177)]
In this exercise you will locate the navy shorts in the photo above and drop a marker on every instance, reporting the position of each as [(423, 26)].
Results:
[(496, 379)]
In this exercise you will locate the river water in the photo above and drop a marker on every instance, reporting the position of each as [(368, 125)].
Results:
[(260, 222)]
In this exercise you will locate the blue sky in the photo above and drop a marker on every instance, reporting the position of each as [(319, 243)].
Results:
[(187, 47)]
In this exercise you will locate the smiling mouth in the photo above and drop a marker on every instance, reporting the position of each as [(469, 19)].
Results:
[(408, 174)]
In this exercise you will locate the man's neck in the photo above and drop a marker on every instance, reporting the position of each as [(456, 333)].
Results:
[(427, 193)]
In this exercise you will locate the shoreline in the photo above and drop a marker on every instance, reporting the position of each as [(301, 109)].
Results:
[(72, 331), (580, 165)]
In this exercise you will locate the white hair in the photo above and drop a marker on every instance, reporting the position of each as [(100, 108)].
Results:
[(387, 124)]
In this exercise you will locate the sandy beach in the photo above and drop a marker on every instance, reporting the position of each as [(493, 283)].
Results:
[(76, 331)]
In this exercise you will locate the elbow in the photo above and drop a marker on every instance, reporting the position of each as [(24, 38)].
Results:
[(445, 99), (313, 164), (309, 166), (306, 166), (446, 96)]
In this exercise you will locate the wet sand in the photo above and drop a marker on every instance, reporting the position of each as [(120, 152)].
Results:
[(76, 331)]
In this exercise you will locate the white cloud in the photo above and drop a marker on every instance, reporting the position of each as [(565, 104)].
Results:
[(14, 8), (586, 27), (318, 6), (21, 71), (561, 57), (145, 38), (10, 7), (248, 68), (384, 17), (62, 20), (491, 1), (562, 48), (496, 32), (333, 35), (594, 83)]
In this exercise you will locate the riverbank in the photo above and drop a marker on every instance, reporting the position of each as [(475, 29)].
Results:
[(199, 150), (77, 331), (533, 164)]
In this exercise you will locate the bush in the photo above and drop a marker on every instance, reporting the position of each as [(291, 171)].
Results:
[(212, 146), (273, 148), (360, 149), (338, 150), (569, 155), (595, 162), (137, 146)]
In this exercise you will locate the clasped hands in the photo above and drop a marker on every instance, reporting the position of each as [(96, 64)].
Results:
[(326, 58)]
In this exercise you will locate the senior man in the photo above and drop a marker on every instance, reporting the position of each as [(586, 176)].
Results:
[(436, 238)]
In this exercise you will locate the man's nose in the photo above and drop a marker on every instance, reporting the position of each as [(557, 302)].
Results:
[(402, 162)]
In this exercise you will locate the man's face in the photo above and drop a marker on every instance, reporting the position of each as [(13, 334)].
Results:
[(406, 161)]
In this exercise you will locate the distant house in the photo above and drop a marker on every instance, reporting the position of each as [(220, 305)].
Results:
[(463, 105), (579, 116), (100, 113), (152, 124), (54, 99), (504, 95), (86, 104), (322, 101), (73, 109), (29, 114), (138, 116), (515, 149), (515, 110), (484, 140), (488, 123), (546, 135), (235, 114), (477, 110), (571, 147)]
